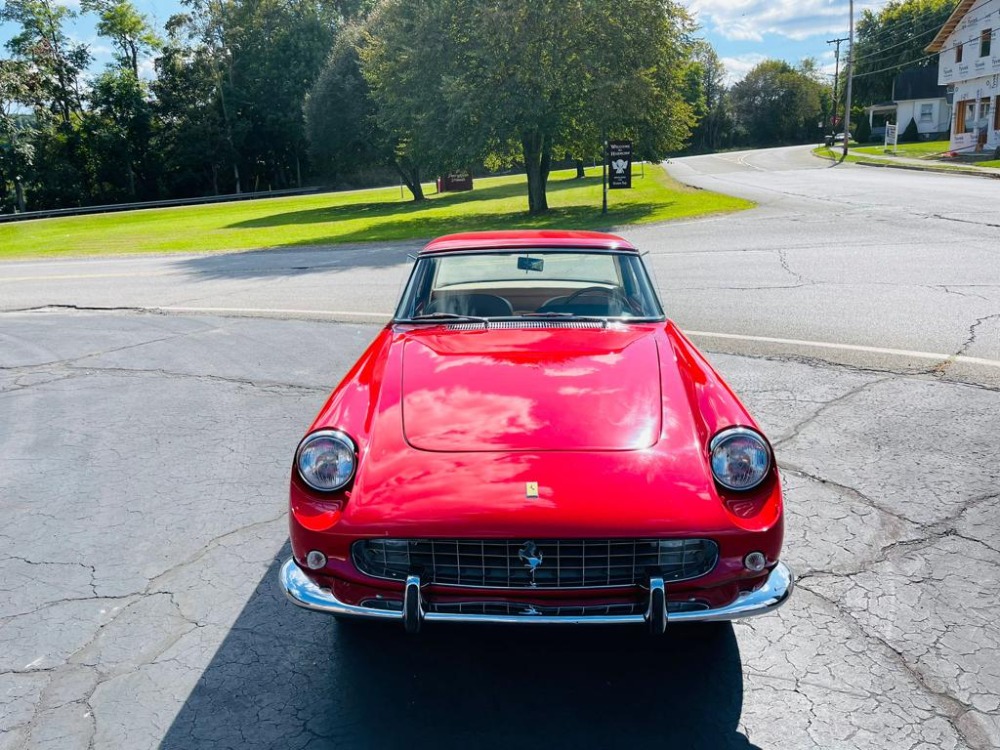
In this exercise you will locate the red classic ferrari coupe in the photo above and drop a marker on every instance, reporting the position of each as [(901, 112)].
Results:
[(530, 440)]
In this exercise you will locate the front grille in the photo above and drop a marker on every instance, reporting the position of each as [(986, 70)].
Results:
[(558, 563)]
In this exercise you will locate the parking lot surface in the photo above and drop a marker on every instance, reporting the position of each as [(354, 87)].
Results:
[(143, 469)]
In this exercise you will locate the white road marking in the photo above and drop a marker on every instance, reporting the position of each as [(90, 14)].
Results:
[(77, 276), (380, 317), (385, 317), (848, 347)]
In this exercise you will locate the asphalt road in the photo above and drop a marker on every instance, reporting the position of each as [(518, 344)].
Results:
[(860, 262), (144, 459)]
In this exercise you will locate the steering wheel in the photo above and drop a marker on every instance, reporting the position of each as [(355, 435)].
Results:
[(611, 295)]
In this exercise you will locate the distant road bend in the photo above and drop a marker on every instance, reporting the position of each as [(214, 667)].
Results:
[(879, 268)]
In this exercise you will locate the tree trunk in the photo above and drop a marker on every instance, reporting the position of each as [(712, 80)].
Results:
[(535, 165), (580, 174), (22, 205), (411, 178)]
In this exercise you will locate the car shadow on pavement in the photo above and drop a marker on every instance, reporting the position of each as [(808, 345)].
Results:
[(287, 678), (293, 261)]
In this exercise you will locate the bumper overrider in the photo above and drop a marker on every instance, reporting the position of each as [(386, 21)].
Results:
[(774, 592)]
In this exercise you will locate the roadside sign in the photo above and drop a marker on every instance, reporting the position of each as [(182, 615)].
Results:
[(620, 161), (891, 135)]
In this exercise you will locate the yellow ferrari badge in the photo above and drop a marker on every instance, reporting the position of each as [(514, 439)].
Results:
[(531, 489)]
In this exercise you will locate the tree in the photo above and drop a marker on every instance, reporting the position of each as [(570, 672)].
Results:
[(404, 53), (53, 61), (16, 149), (521, 79), (776, 104), (862, 130), (190, 134), (118, 126), (893, 39), (340, 115), (709, 84), (128, 30), (53, 66)]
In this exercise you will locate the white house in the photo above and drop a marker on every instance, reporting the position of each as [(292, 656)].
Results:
[(968, 48), (916, 95)]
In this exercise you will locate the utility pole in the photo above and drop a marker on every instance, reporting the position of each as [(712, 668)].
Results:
[(850, 80), (836, 79)]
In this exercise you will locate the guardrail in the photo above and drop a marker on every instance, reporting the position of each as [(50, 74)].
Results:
[(111, 207)]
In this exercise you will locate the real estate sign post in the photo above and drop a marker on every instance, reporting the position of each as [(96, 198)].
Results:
[(891, 136)]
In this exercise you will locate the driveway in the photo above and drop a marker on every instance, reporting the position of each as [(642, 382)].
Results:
[(144, 458)]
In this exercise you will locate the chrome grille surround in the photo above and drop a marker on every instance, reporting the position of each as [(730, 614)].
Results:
[(565, 563)]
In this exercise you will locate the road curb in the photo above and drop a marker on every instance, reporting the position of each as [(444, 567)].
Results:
[(913, 167)]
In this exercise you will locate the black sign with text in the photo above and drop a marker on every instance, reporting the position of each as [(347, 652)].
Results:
[(619, 164)]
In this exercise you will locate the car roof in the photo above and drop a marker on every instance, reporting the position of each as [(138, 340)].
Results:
[(551, 238)]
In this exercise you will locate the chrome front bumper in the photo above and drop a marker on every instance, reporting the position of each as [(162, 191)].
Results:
[(772, 594)]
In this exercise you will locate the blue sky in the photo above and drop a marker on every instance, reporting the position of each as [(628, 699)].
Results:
[(743, 32)]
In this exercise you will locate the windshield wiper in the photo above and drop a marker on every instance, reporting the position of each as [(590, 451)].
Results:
[(437, 316)]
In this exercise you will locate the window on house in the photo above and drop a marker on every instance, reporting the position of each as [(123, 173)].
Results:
[(996, 116), (984, 42), (926, 112), (958, 53), (984, 111)]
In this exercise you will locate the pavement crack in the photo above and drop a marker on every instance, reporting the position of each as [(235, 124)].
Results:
[(797, 429), (972, 332), (783, 260), (951, 708), (259, 384)]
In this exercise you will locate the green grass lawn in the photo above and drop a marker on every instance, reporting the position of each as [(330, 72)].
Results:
[(922, 150), (362, 216), (871, 155)]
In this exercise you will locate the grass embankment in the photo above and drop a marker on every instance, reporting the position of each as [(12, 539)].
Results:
[(876, 155), (931, 152), (921, 150), (362, 216)]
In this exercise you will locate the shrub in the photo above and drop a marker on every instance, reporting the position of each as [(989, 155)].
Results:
[(911, 134), (863, 131)]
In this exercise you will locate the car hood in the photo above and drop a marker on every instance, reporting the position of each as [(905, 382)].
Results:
[(549, 389)]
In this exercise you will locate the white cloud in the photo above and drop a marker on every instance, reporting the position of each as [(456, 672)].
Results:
[(739, 66), (750, 20)]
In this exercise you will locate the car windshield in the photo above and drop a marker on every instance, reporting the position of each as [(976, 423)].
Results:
[(529, 284)]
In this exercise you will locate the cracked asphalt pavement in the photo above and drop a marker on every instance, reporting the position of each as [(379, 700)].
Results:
[(144, 462)]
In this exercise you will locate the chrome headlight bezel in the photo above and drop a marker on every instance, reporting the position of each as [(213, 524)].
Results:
[(338, 436), (723, 438)]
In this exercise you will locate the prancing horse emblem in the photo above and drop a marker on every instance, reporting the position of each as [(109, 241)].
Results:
[(531, 556)]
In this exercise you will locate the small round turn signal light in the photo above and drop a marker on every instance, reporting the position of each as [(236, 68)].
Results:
[(316, 560), (755, 562)]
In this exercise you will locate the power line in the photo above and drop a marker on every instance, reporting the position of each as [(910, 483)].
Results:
[(836, 75), (939, 25), (993, 35)]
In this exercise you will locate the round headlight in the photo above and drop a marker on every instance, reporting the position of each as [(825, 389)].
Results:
[(326, 460), (740, 458)]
